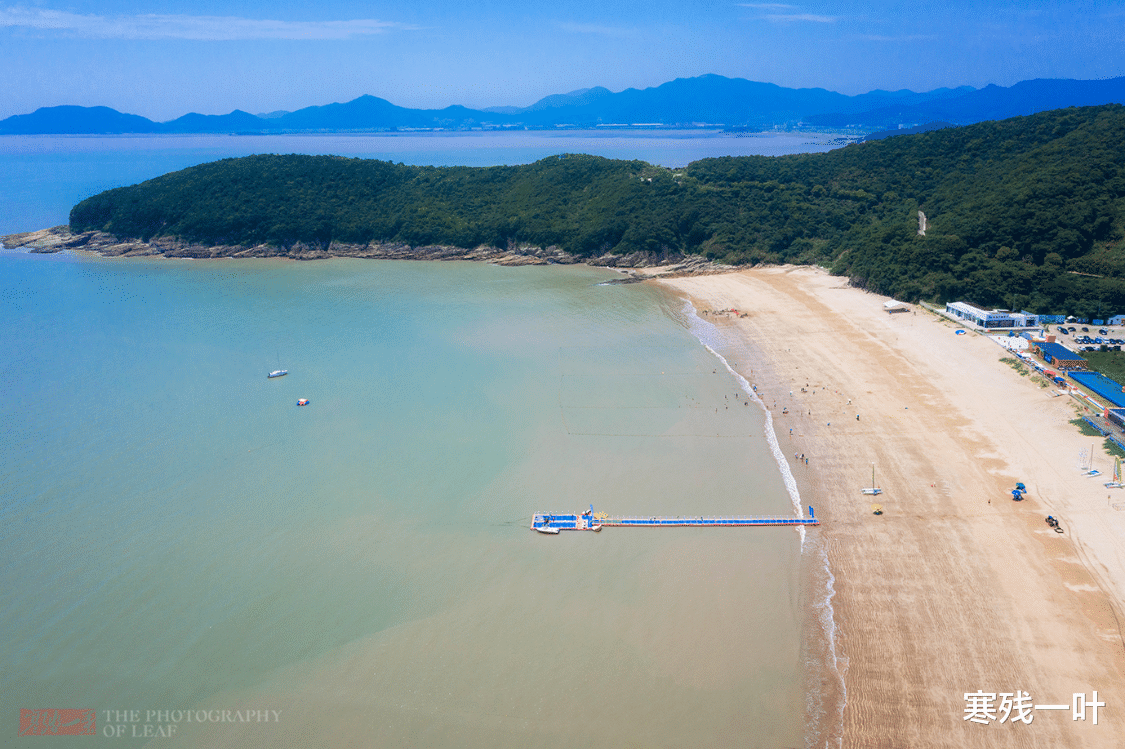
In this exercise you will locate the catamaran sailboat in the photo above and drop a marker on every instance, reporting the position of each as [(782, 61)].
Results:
[(279, 372), (873, 489)]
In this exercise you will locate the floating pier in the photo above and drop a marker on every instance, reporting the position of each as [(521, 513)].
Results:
[(545, 522)]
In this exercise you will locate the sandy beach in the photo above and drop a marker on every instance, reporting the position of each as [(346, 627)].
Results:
[(955, 589)]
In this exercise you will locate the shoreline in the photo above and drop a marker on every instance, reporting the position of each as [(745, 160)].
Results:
[(637, 266), (955, 588), (823, 665)]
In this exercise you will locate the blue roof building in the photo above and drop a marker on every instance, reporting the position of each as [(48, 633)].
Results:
[(1058, 355)]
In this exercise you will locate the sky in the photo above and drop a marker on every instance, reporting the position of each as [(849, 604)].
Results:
[(164, 58)]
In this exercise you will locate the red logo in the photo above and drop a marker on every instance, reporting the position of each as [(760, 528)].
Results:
[(57, 723)]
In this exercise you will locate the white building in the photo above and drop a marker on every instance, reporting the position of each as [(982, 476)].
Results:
[(997, 318)]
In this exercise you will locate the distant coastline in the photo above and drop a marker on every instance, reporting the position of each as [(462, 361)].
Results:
[(706, 101)]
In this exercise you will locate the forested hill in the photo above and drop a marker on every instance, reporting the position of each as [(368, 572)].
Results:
[(1022, 213)]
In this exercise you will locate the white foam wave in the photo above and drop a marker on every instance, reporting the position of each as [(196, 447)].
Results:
[(834, 661), (837, 664), (771, 438), (708, 334)]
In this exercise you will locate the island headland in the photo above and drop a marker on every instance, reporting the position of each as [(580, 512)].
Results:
[(1024, 213)]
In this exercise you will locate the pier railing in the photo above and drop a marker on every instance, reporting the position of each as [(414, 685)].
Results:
[(659, 521), (552, 522)]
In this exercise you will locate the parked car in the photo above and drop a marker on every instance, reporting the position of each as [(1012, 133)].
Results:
[(1085, 330)]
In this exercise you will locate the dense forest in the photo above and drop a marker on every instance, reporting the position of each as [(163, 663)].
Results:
[(1025, 213)]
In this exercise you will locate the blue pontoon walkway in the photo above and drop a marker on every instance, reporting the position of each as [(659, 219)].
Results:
[(591, 521)]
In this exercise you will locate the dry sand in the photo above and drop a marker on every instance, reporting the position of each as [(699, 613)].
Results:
[(956, 588)]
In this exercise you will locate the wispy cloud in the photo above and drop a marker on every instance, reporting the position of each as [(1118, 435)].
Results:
[(903, 38), (799, 17), (211, 28), (592, 28), (785, 13)]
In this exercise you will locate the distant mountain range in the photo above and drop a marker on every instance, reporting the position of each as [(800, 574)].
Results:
[(710, 100)]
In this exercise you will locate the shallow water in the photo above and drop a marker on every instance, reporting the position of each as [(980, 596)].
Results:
[(175, 533)]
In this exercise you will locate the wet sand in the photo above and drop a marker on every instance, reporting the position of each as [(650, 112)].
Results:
[(955, 588)]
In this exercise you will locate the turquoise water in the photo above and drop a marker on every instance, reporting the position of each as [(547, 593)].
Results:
[(175, 533), (42, 177)]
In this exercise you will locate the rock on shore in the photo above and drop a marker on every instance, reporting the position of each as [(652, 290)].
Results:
[(638, 265)]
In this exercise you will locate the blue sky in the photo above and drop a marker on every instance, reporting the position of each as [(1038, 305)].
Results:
[(163, 58)]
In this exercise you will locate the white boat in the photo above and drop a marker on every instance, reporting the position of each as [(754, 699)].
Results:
[(552, 531), (279, 372)]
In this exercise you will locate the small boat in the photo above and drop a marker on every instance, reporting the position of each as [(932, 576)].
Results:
[(303, 402), (1116, 483), (279, 372), (545, 529), (873, 489)]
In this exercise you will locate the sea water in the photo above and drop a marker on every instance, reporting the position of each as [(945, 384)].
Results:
[(176, 534), (43, 176)]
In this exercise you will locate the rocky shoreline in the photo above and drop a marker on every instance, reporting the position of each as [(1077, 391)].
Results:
[(638, 266)]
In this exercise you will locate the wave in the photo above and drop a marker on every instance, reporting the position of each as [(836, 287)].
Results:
[(835, 663)]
